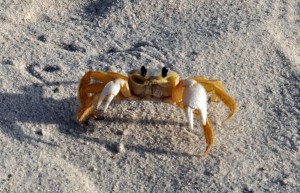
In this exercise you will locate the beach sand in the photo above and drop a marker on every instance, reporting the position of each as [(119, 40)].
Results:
[(47, 46)]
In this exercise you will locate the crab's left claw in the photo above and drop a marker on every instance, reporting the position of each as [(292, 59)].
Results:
[(195, 99)]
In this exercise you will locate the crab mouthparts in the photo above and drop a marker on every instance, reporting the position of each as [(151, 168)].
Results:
[(151, 81)]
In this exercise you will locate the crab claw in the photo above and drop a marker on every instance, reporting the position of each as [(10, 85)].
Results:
[(195, 99), (110, 90)]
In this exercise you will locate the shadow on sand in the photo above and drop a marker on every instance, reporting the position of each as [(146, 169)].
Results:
[(101, 8), (32, 107)]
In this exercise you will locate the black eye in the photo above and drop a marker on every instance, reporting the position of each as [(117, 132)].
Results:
[(143, 71), (164, 72)]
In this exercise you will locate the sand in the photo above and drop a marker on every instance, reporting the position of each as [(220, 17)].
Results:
[(46, 47)]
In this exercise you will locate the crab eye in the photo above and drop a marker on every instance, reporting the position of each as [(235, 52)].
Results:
[(164, 72), (143, 71)]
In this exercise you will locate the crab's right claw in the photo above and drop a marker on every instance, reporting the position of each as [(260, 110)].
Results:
[(110, 90), (209, 137)]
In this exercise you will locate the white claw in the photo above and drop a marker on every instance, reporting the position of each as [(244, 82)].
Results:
[(108, 101), (110, 90), (194, 98), (190, 116)]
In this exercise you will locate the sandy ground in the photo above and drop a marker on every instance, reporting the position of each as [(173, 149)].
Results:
[(46, 47)]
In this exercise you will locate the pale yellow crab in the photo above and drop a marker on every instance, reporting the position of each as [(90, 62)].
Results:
[(189, 94)]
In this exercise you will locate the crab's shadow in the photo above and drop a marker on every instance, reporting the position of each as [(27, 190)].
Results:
[(31, 107)]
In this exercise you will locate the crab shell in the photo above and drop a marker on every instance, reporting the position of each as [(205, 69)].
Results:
[(152, 86)]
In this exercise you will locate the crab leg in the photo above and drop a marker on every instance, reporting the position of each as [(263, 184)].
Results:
[(217, 87), (209, 88), (87, 108), (209, 137)]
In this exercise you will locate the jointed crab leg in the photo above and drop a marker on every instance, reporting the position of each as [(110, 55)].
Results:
[(217, 87), (218, 83), (209, 137)]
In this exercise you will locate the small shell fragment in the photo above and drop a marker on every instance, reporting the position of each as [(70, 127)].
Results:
[(121, 148), (126, 132)]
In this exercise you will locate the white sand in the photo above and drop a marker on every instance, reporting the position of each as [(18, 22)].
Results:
[(45, 48)]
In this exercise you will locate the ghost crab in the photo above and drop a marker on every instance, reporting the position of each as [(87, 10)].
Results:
[(189, 94)]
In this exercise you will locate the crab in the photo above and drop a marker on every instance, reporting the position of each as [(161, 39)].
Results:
[(97, 89)]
